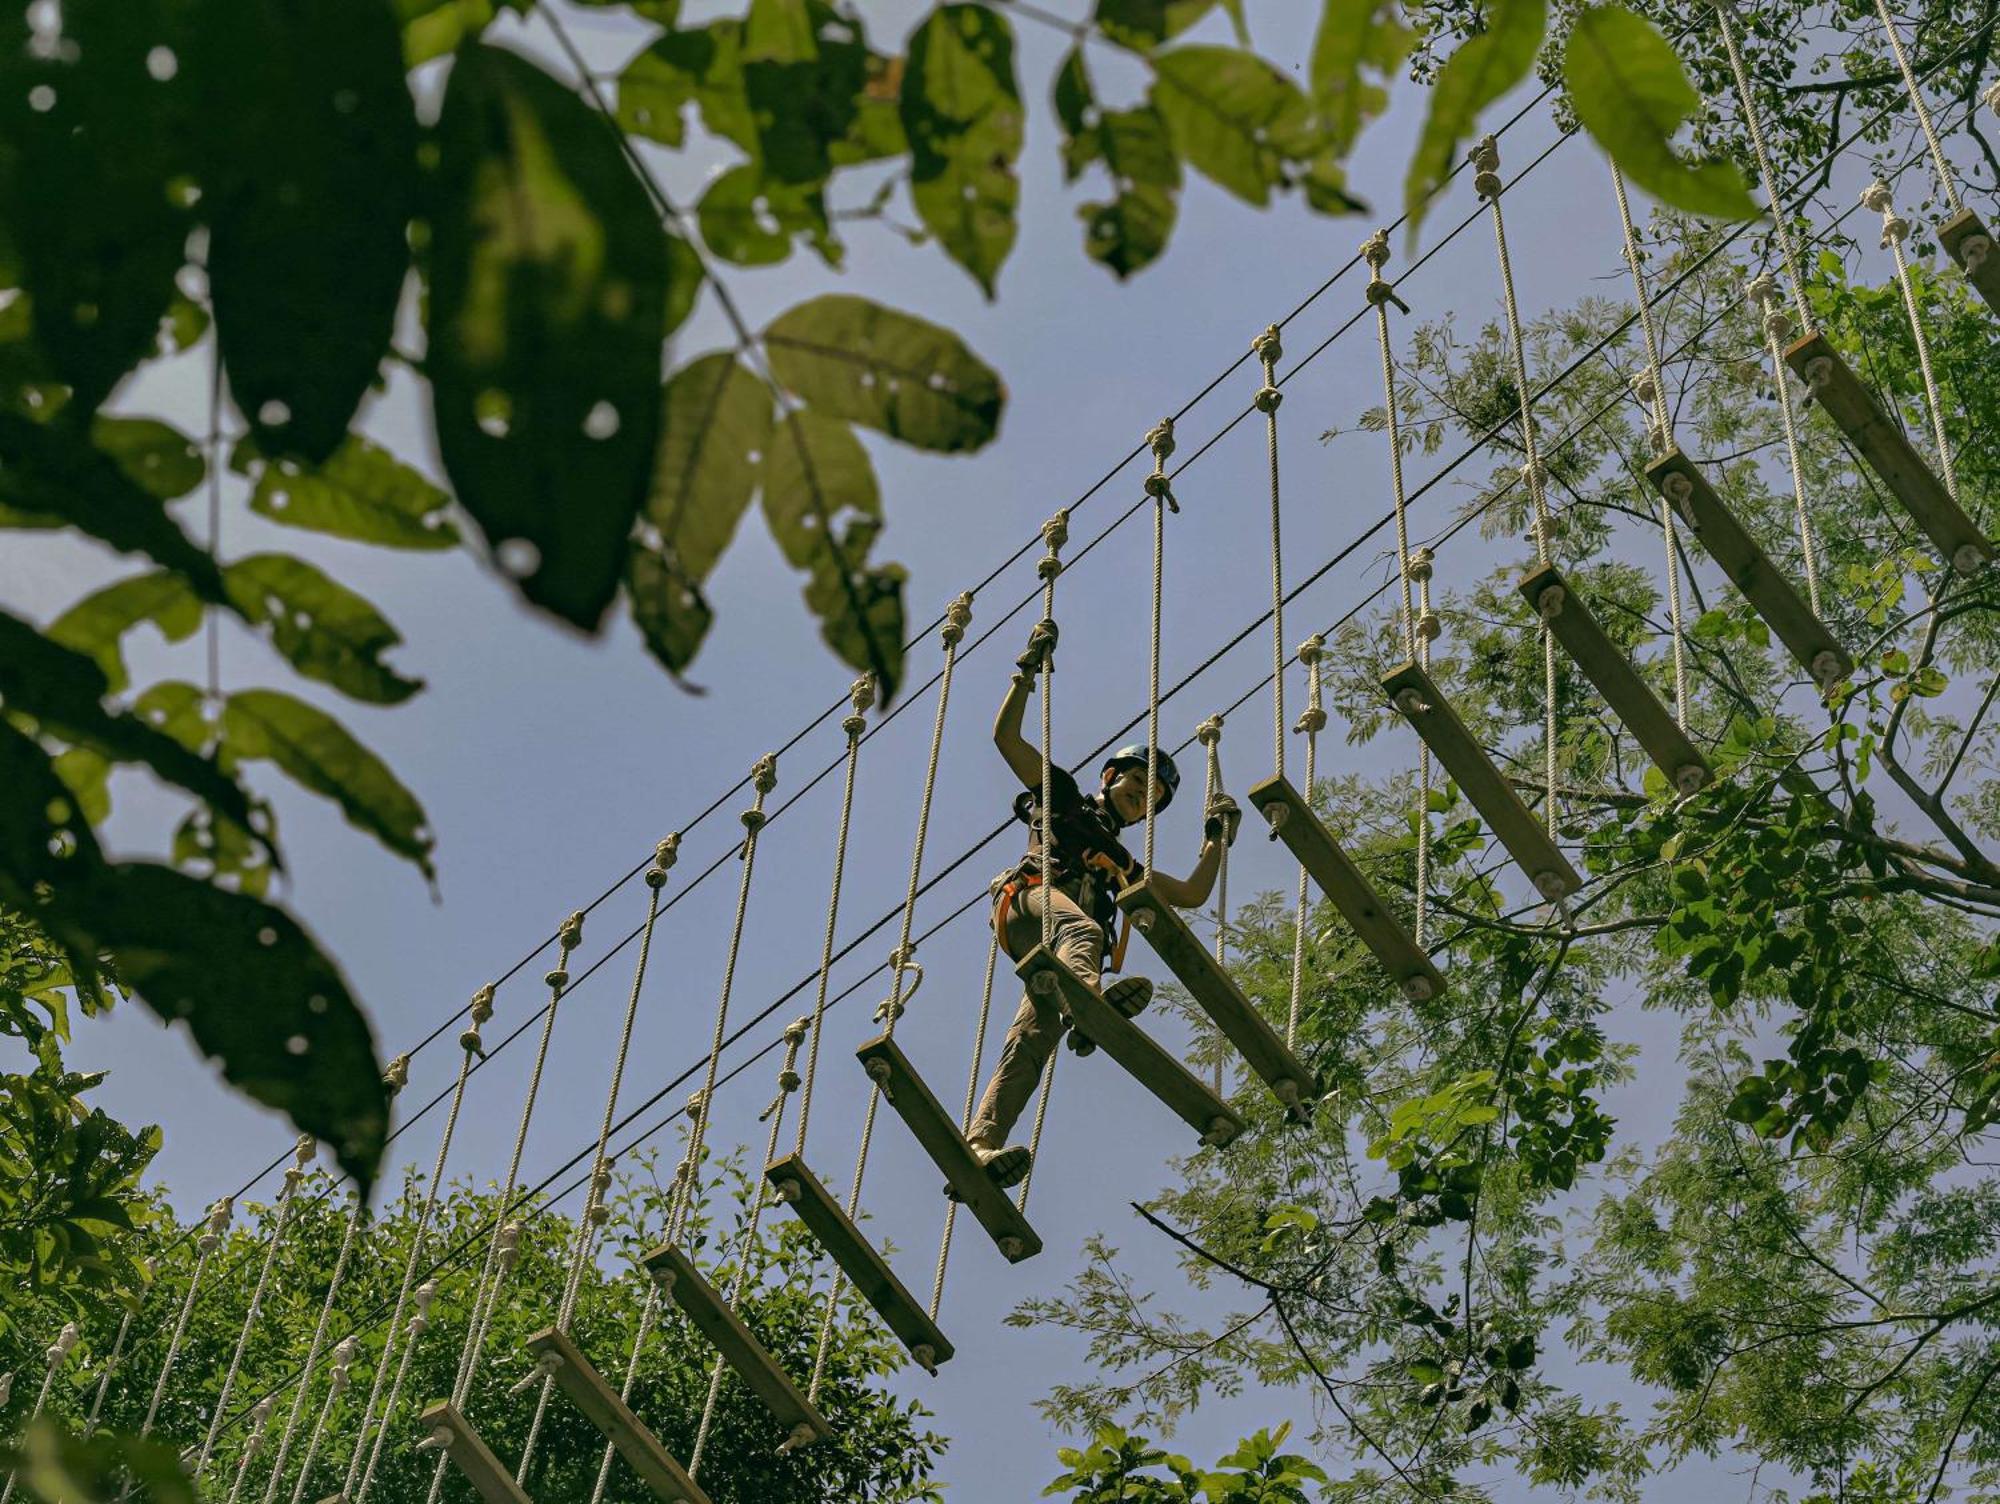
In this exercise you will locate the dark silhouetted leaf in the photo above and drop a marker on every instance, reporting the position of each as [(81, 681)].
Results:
[(1355, 38), (961, 109), (97, 624), (432, 28), (156, 457), (363, 492), (54, 1466), (63, 691), (44, 469), (1234, 117), (548, 275), (308, 182), (804, 91), (1630, 92), (717, 426), (824, 508), (323, 629), (912, 380), (95, 190), (1479, 72), (318, 753)]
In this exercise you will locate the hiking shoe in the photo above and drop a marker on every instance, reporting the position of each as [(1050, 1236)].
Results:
[(1008, 1167), (1129, 996)]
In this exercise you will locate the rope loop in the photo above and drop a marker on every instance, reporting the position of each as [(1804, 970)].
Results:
[(1421, 563), (218, 1223), (764, 776), (1209, 732), (1055, 532), (1160, 439)]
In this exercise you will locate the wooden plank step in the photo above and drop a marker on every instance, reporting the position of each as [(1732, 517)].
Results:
[(1971, 245), (1221, 999), (1769, 593), (792, 1178), (1631, 699), (1293, 822), (1890, 454), (676, 1274), (1411, 691), (934, 1129), (493, 1483), (602, 1407), (1186, 1097)]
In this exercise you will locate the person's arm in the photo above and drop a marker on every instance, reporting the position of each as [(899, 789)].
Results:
[(1218, 833), (1020, 754)]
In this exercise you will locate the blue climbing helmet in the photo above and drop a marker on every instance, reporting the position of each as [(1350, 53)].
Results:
[(1164, 770)]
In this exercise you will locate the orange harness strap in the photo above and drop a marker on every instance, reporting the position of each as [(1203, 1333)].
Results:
[(1003, 907)]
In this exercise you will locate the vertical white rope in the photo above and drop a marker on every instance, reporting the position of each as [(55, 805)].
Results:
[(1311, 722), (860, 696), (260, 1421), (1035, 1136), (1947, 180), (470, 1044), (1752, 118), (338, 1378), (1763, 294), (788, 1082), (294, 1173), (1161, 441), (1428, 628), (965, 1118), (648, 1313), (1269, 351), (1895, 230), (1209, 734), (110, 1367), (289, 1431), (205, 1246), (1055, 533), (1486, 182), (57, 1354)]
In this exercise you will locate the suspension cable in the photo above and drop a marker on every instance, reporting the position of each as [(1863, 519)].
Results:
[(357, 1214)]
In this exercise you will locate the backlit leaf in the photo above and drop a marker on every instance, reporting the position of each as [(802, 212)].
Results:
[(156, 457), (97, 624), (1233, 116), (749, 221), (701, 66), (363, 492), (1355, 38), (323, 629), (548, 276), (1145, 24), (805, 91), (1479, 72), (961, 109), (910, 379), (1631, 93), (1134, 146), (308, 184)]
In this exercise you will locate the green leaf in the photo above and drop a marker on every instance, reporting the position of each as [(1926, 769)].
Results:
[(1233, 116), (1132, 229), (890, 371), (316, 752), (824, 509), (94, 190), (363, 492), (805, 94), (156, 457), (548, 275), (308, 183), (702, 66), (961, 109), (47, 469), (749, 221), (323, 629), (779, 31), (1144, 24), (97, 624), (1355, 36), (1479, 72), (717, 426), (53, 1466), (63, 691), (1630, 92), (432, 28)]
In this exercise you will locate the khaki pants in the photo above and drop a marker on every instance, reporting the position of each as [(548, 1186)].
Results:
[(1078, 942)]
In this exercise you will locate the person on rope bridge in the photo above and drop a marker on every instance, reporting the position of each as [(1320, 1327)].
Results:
[(1088, 866)]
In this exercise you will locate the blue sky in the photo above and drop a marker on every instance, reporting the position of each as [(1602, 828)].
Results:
[(550, 764)]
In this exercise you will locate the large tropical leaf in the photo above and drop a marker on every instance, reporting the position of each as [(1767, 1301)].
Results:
[(961, 110), (323, 629), (308, 183), (1234, 116), (94, 180), (315, 751), (548, 276), (824, 508), (363, 492), (910, 379), (1479, 72), (1630, 92)]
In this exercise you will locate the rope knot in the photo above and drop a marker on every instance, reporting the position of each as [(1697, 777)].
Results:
[(754, 820), (1485, 159), (482, 1005), (1375, 250), (1268, 398), (1209, 732), (1055, 532), (66, 1339), (665, 855), (697, 1104), (1268, 347), (764, 776), (1420, 563), (397, 1076), (957, 617), (571, 933), (1160, 439), (1644, 387), (1428, 626), (1311, 720), (555, 979), (1313, 649), (795, 1032), (1991, 97), (1895, 228)]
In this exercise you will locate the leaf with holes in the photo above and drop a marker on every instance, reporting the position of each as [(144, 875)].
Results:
[(1131, 230), (63, 692), (363, 492), (548, 276), (309, 179), (779, 31), (818, 490), (1145, 24), (1356, 39), (1233, 116), (156, 457), (48, 470), (319, 754), (323, 629), (805, 90), (890, 371), (97, 624), (961, 109), (702, 66), (94, 179), (1479, 72), (1631, 93), (748, 221), (717, 425)]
